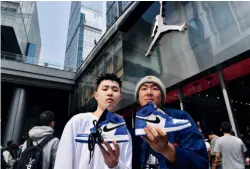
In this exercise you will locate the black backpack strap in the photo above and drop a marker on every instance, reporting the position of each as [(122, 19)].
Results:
[(29, 142), (46, 140)]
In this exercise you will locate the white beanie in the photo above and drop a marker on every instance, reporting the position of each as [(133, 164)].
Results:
[(151, 79)]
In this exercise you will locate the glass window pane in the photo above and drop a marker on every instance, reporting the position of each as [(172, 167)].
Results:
[(104, 64), (119, 62), (110, 67), (119, 73), (86, 92)]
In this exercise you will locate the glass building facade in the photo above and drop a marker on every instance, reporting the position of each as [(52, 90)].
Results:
[(20, 27), (205, 69), (114, 10), (86, 26), (31, 22), (110, 62)]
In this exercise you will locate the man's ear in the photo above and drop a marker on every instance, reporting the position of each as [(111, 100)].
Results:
[(51, 124), (95, 95)]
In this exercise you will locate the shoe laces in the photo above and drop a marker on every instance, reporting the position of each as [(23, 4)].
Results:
[(94, 137)]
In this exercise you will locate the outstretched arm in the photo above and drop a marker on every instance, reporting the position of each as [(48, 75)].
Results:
[(161, 8), (153, 33)]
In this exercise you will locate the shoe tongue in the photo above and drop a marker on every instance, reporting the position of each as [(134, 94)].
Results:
[(103, 116), (149, 106), (152, 106)]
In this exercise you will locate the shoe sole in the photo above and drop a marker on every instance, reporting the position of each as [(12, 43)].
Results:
[(141, 132), (83, 138)]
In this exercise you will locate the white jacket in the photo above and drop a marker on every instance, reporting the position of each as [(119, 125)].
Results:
[(8, 159), (75, 155), (38, 133)]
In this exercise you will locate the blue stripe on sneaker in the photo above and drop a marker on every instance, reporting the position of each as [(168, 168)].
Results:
[(81, 141), (86, 141), (121, 141), (82, 135)]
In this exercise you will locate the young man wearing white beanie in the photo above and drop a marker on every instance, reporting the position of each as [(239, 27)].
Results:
[(178, 150)]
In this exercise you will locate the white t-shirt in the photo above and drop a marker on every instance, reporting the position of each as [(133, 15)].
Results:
[(75, 155), (8, 158), (207, 145)]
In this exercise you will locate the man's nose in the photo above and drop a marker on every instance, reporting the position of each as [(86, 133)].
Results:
[(149, 92), (110, 92)]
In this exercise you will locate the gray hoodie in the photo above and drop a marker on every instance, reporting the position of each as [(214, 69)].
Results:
[(38, 133)]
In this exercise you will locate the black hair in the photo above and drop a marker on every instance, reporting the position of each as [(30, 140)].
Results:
[(12, 148), (210, 133), (46, 117), (108, 76), (10, 142), (226, 127)]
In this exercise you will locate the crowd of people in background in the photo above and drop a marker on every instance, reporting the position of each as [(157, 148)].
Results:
[(11, 155)]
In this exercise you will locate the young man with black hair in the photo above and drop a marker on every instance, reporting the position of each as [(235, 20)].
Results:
[(231, 148), (73, 153), (38, 133)]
